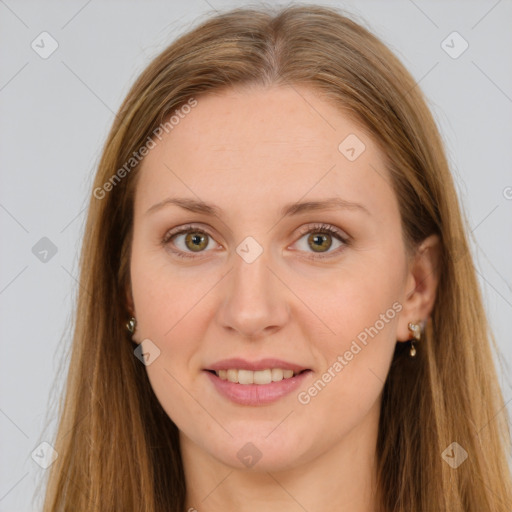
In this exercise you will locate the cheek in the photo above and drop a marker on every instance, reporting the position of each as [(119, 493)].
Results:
[(357, 302), (360, 307), (165, 295), (356, 359), (173, 309)]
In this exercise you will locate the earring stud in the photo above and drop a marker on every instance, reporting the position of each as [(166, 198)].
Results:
[(416, 336), (131, 325)]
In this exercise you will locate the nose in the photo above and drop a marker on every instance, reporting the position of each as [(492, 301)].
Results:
[(254, 300)]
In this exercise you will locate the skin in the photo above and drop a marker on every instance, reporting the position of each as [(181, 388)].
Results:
[(251, 151)]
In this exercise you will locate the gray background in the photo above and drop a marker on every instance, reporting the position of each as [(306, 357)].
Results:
[(55, 114)]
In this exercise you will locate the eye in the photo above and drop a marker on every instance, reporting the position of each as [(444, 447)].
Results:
[(320, 240), (192, 239), (188, 239)]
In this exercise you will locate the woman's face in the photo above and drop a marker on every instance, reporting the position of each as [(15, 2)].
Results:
[(263, 282)]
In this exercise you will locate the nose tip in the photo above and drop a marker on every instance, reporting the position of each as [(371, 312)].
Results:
[(250, 329), (253, 304)]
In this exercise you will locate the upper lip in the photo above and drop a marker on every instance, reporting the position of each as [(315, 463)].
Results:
[(261, 364)]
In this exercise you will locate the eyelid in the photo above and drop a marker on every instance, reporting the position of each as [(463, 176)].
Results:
[(184, 229), (333, 231), (321, 227)]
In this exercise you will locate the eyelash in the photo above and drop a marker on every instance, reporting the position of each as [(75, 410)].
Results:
[(317, 228)]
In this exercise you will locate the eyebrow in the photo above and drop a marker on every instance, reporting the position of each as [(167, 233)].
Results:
[(198, 206)]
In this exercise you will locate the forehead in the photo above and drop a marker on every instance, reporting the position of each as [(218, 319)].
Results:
[(259, 147)]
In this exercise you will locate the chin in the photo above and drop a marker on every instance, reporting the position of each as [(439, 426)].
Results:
[(257, 450)]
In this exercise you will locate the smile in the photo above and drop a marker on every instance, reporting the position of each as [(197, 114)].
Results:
[(256, 377), (254, 388)]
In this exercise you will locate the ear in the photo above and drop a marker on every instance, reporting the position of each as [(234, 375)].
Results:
[(421, 286)]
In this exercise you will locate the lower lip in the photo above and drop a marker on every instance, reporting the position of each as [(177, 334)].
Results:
[(257, 394)]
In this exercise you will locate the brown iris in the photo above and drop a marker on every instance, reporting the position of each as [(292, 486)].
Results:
[(198, 241), (318, 241)]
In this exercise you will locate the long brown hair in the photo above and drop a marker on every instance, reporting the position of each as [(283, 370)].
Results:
[(118, 450)]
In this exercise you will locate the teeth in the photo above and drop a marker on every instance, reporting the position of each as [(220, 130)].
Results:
[(258, 377), (287, 373), (277, 374), (245, 377)]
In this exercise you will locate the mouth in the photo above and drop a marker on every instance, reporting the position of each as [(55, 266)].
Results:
[(257, 387), (255, 383), (261, 377)]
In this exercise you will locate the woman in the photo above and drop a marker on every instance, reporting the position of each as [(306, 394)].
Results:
[(278, 308)]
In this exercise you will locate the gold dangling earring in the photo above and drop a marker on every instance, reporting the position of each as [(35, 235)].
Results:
[(416, 336), (131, 325)]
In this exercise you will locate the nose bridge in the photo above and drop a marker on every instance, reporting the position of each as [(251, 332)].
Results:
[(253, 302)]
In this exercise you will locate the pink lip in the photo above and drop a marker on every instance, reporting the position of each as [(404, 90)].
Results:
[(262, 364), (256, 394)]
